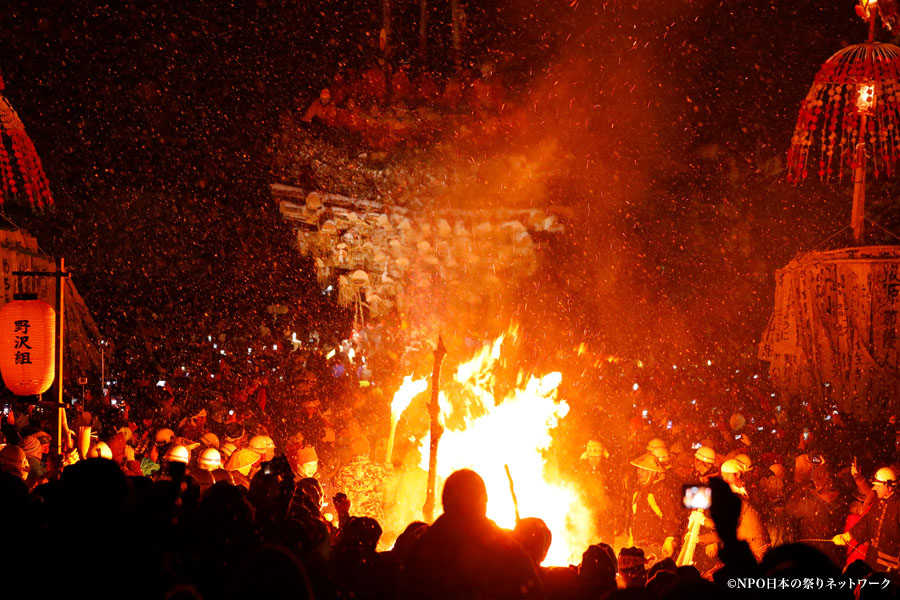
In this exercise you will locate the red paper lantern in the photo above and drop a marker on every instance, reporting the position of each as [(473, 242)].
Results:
[(27, 346)]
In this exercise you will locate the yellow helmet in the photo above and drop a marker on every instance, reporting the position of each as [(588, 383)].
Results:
[(261, 443), (210, 440), (733, 466), (745, 460), (705, 454), (242, 458), (164, 436), (648, 462), (654, 444)]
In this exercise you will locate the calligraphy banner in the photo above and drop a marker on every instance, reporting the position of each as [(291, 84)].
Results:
[(833, 335)]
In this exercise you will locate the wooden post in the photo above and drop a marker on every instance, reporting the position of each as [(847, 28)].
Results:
[(436, 431), (60, 325)]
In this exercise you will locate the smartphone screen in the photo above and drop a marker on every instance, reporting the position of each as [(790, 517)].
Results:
[(696, 496)]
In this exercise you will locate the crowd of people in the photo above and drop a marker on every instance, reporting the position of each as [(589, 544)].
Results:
[(207, 501)]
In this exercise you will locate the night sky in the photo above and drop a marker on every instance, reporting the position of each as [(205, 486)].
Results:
[(155, 128)]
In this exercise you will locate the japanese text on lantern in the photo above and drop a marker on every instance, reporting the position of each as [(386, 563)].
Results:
[(23, 357)]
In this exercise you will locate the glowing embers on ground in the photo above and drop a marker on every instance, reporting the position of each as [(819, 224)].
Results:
[(485, 436)]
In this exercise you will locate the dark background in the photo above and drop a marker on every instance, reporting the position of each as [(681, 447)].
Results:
[(155, 128)]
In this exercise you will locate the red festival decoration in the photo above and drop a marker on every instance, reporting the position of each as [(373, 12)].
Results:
[(854, 99), (27, 346), (21, 173)]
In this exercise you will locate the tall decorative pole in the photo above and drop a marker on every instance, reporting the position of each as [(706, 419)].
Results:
[(865, 103), (437, 430), (851, 115)]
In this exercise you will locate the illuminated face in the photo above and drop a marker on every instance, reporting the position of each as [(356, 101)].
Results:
[(882, 490), (701, 466), (732, 479), (645, 476), (594, 449)]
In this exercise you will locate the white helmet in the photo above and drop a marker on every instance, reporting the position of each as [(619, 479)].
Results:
[(209, 459), (178, 453), (886, 476)]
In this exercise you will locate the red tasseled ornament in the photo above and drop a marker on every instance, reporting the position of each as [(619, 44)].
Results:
[(21, 173), (830, 116)]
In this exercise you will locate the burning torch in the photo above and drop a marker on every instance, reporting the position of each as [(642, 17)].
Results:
[(408, 390)]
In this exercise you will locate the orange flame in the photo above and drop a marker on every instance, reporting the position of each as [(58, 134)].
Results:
[(485, 435), (408, 390)]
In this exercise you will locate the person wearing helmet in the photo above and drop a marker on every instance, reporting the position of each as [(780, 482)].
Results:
[(226, 450), (164, 437), (654, 517), (240, 464), (209, 440), (750, 525), (264, 446), (655, 444), (209, 459), (599, 480), (732, 470), (880, 527), (178, 453), (705, 463)]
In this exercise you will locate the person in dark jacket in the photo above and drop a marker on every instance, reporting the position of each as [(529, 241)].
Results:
[(465, 555), (654, 520), (880, 526)]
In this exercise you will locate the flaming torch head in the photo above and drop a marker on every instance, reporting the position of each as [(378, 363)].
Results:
[(408, 390)]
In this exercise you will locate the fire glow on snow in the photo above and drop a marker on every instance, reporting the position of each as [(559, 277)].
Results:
[(485, 436)]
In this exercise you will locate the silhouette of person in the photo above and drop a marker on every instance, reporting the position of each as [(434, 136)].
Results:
[(464, 555)]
